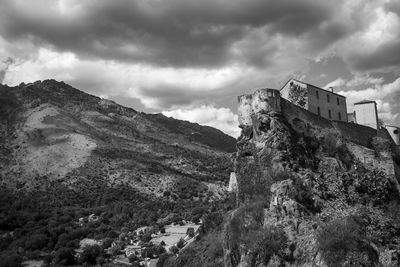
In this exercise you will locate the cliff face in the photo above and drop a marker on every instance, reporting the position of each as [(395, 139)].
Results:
[(304, 197)]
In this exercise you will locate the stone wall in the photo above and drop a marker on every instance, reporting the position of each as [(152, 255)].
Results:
[(261, 101), (371, 159)]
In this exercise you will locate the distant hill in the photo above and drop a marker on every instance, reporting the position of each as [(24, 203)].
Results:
[(52, 130)]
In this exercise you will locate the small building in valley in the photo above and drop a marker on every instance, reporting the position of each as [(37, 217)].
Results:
[(324, 103)]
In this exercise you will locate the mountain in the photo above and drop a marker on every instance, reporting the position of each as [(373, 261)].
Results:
[(55, 131), (65, 153)]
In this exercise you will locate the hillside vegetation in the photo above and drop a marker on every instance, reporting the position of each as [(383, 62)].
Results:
[(66, 154)]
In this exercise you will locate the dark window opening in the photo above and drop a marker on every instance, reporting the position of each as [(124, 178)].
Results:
[(327, 98), (329, 114), (337, 101), (319, 111), (395, 131), (317, 94), (340, 116)]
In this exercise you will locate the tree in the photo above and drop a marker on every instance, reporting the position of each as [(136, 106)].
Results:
[(36, 241), (297, 95), (173, 250), (90, 253), (64, 256), (190, 232), (12, 260), (180, 243)]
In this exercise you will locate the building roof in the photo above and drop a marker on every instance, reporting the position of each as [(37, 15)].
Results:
[(310, 85), (365, 102)]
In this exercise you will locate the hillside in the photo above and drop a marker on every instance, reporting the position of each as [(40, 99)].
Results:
[(311, 192), (65, 153)]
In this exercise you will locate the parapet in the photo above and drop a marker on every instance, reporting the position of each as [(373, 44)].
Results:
[(261, 101)]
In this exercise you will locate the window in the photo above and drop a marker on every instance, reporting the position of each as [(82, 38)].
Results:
[(317, 94), (337, 101), (339, 116), (329, 114), (319, 111), (327, 98)]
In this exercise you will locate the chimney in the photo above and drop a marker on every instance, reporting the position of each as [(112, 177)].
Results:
[(331, 89)]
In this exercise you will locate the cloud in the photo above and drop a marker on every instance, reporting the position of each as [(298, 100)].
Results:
[(166, 33), (336, 83), (377, 45), (220, 118), (382, 94)]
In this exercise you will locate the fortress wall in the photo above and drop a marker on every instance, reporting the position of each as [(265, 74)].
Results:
[(269, 100), (356, 133), (291, 111), (371, 160)]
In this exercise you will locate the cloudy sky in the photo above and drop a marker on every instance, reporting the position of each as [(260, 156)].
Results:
[(190, 58)]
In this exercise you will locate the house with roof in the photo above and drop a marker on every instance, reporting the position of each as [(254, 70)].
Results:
[(322, 102)]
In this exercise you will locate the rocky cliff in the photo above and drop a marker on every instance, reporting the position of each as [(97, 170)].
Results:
[(306, 195)]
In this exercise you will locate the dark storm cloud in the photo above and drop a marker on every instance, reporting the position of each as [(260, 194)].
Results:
[(168, 33), (387, 55)]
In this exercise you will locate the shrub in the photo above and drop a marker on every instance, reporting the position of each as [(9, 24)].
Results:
[(190, 232), (173, 250), (64, 256), (37, 241), (180, 243), (132, 258), (265, 243), (342, 240), (330, 142), (10, 260), (90, 254)]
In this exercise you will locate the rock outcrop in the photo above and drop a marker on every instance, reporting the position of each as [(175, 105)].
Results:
[(310, 188)]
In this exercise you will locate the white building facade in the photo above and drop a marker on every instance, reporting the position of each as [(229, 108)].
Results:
[(324, 103), (366, 113)]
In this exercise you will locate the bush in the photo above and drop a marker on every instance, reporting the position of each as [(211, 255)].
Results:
[(190, 232), (173, 250), (64, 256), (90, 254), (330, 142), (132, 258), (180, 243), (37, 241), (265, 243), (10, 260), (342, 241)]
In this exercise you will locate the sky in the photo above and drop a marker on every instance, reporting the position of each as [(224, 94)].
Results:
[(190, 59)]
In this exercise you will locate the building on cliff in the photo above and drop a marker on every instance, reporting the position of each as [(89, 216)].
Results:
[(366, 113), (324, 103)]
